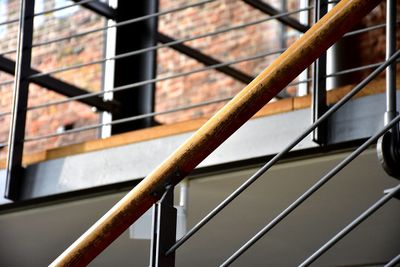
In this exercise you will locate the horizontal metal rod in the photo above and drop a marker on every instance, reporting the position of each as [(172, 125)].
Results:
[(393, 262), (276, 158), (363, 30), (365, 215), (7, 82), (352, 70), (133, 118), (156, 47), (127, 22), (309, 192), (43, 13), (7, 113), (130, 86), (160, 79), (61, 87), (214, 132), (152, 114), (101, 9), (91, 127), (355, 32)]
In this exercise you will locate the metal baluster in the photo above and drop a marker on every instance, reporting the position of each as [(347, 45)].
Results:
[(164, 231), (20, 100), (393, 262)]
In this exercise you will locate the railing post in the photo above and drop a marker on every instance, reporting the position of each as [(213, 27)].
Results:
[(20, 100), (164, 231), (319, 105)]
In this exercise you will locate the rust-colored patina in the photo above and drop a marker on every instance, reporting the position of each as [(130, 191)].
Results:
[(252, 98)]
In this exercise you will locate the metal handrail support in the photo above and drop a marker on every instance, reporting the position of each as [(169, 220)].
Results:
[(214, 132)]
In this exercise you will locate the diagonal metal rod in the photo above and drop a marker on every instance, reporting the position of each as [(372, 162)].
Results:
[(393, 262), (275, 159), (123, 23), (309, 192), (216, 130), (63, 7), (355, 32), (270, 10), (366, 214)]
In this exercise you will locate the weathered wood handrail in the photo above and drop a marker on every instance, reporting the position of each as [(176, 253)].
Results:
[(252, 98)]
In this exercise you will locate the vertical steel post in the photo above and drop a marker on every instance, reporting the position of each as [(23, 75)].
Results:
[(319, 105), (20, 100), (130, 37), (164, 231)]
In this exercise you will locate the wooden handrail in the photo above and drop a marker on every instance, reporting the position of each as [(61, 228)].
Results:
[(214, 132)]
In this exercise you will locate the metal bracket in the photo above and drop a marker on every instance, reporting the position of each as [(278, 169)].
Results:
[(388, 148), (164, 230)]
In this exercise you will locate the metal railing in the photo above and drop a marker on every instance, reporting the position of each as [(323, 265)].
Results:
[(159, 184)]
